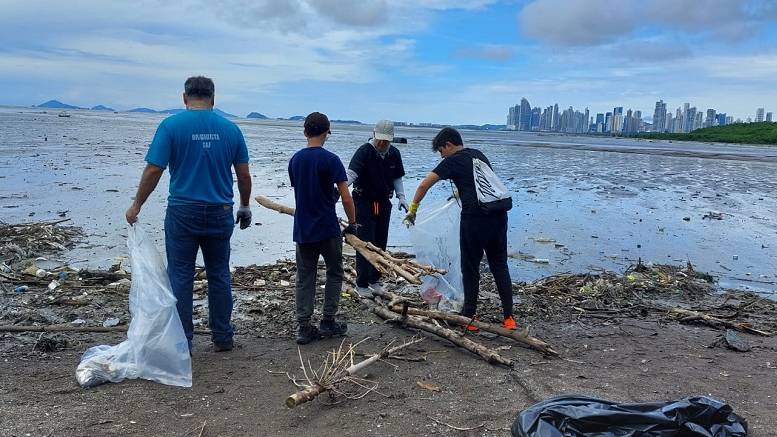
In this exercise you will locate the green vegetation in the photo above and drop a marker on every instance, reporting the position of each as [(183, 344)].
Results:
[(745, 133)]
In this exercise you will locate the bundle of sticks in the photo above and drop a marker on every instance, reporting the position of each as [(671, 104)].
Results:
[(384, 261)]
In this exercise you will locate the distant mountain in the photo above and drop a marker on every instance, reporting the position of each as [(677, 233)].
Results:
[(347, 121), (172, 111), (296, 118), (144, 110), (102, 108), (257, 116), (56, 104), (224, 114)]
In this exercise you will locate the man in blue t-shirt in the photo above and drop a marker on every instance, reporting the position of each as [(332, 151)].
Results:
[(200, 147), (314, 172)]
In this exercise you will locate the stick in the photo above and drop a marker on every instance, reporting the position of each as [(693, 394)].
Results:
[(689, 316), (270, 204), (489, 355), (69, 328), (521, 337)]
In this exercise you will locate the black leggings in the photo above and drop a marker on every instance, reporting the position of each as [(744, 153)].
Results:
[(478, 234)]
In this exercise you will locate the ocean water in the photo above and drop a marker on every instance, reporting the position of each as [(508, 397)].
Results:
[(581, 203)]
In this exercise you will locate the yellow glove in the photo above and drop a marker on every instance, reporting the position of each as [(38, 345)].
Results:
[(410, 217)]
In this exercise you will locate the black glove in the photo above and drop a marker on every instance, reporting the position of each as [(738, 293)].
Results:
[(352, 228)]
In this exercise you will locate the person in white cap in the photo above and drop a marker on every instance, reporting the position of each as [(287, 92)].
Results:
[(376, 173)]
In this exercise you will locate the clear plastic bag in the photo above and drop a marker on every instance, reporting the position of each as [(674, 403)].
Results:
[(156, 348), (435, 240)]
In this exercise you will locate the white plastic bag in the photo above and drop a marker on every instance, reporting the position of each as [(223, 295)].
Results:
[(156, 346), (436, 241)]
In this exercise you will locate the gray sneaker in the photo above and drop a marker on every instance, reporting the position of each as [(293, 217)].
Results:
[(364, 291)]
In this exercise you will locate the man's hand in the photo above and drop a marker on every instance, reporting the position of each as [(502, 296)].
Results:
[(402, 203), (132, 214), (352, 228), (409, 219), (243, 217)]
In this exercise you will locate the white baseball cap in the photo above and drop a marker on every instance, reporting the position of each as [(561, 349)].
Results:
[(384, 130)]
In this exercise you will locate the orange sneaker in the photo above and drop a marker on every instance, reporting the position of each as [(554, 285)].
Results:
[(509, 323), (470, 327)]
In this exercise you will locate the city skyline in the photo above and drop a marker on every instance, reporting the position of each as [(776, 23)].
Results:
[(686, 118)]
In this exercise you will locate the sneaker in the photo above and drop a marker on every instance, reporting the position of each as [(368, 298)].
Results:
[(306, 334), (377, 287), (509, 323), (472, 328), (223, 347), (332, 328), (364, 291)]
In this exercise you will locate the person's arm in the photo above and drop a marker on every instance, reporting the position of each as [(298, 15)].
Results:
[(243, 183), (420, 192), (399, 188), (243, 215), (352, 176), (148, 182), (348, 206)]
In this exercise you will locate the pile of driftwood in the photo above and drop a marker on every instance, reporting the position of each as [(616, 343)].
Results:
[(23, 241)]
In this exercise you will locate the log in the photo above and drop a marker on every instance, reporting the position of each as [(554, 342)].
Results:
[(70, 328), (454, 337), (689, 316), (270, 204), (520, 337)]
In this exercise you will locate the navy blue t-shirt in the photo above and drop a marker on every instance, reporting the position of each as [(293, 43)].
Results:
[(200, 147), (313, 172)]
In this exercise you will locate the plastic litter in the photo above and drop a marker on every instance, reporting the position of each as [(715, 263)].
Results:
[(435, 241), (21, 289), (53, 284), (111, 322), (584, 416), (156, 348)]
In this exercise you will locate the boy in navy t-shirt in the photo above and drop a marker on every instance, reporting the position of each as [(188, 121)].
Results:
[(314, 172)]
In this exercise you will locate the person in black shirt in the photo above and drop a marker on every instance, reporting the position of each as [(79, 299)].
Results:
[(480, 231), (376, 172)]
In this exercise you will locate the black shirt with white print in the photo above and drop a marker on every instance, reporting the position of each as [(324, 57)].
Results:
[(458, 168)]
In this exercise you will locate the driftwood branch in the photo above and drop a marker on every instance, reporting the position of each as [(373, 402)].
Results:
[(521, 337), (691, 316), (454, 337), (385, 262), (334, 371), (70, 328)]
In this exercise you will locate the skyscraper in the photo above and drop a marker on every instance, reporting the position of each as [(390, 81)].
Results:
[(524, 116), (608, 122), (710, 120), (769, 117), (722, 119), (759, 115), (659, 117)]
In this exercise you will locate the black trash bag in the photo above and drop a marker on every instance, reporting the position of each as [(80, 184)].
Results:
[(567, 416)]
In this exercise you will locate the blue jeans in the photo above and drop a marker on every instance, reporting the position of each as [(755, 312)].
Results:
[(189, 228)]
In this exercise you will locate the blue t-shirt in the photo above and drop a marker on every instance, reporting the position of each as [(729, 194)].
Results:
[(314, 172), (200, 147)]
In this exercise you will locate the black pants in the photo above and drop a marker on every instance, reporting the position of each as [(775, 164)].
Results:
[(307, 269), (373, 216), (478, 234)]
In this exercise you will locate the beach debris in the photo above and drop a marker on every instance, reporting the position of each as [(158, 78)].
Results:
[(24, 241), (78, 322), (540, 260), (21, 289), (687, 219), (732, 341), (713, 216), (53, 285), (123, 284), (337, 373), (111, 322)]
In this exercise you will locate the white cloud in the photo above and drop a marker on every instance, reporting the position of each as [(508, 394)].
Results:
[(592, 22)]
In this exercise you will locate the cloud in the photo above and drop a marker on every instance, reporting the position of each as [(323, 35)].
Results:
[(353, 12), (486, 52), (592, 22)]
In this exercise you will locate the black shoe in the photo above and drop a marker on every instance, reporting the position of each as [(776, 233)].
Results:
[(306, 334), (331, 328), (223, 347)]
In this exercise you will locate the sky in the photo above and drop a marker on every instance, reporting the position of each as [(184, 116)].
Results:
[(438, 61)]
